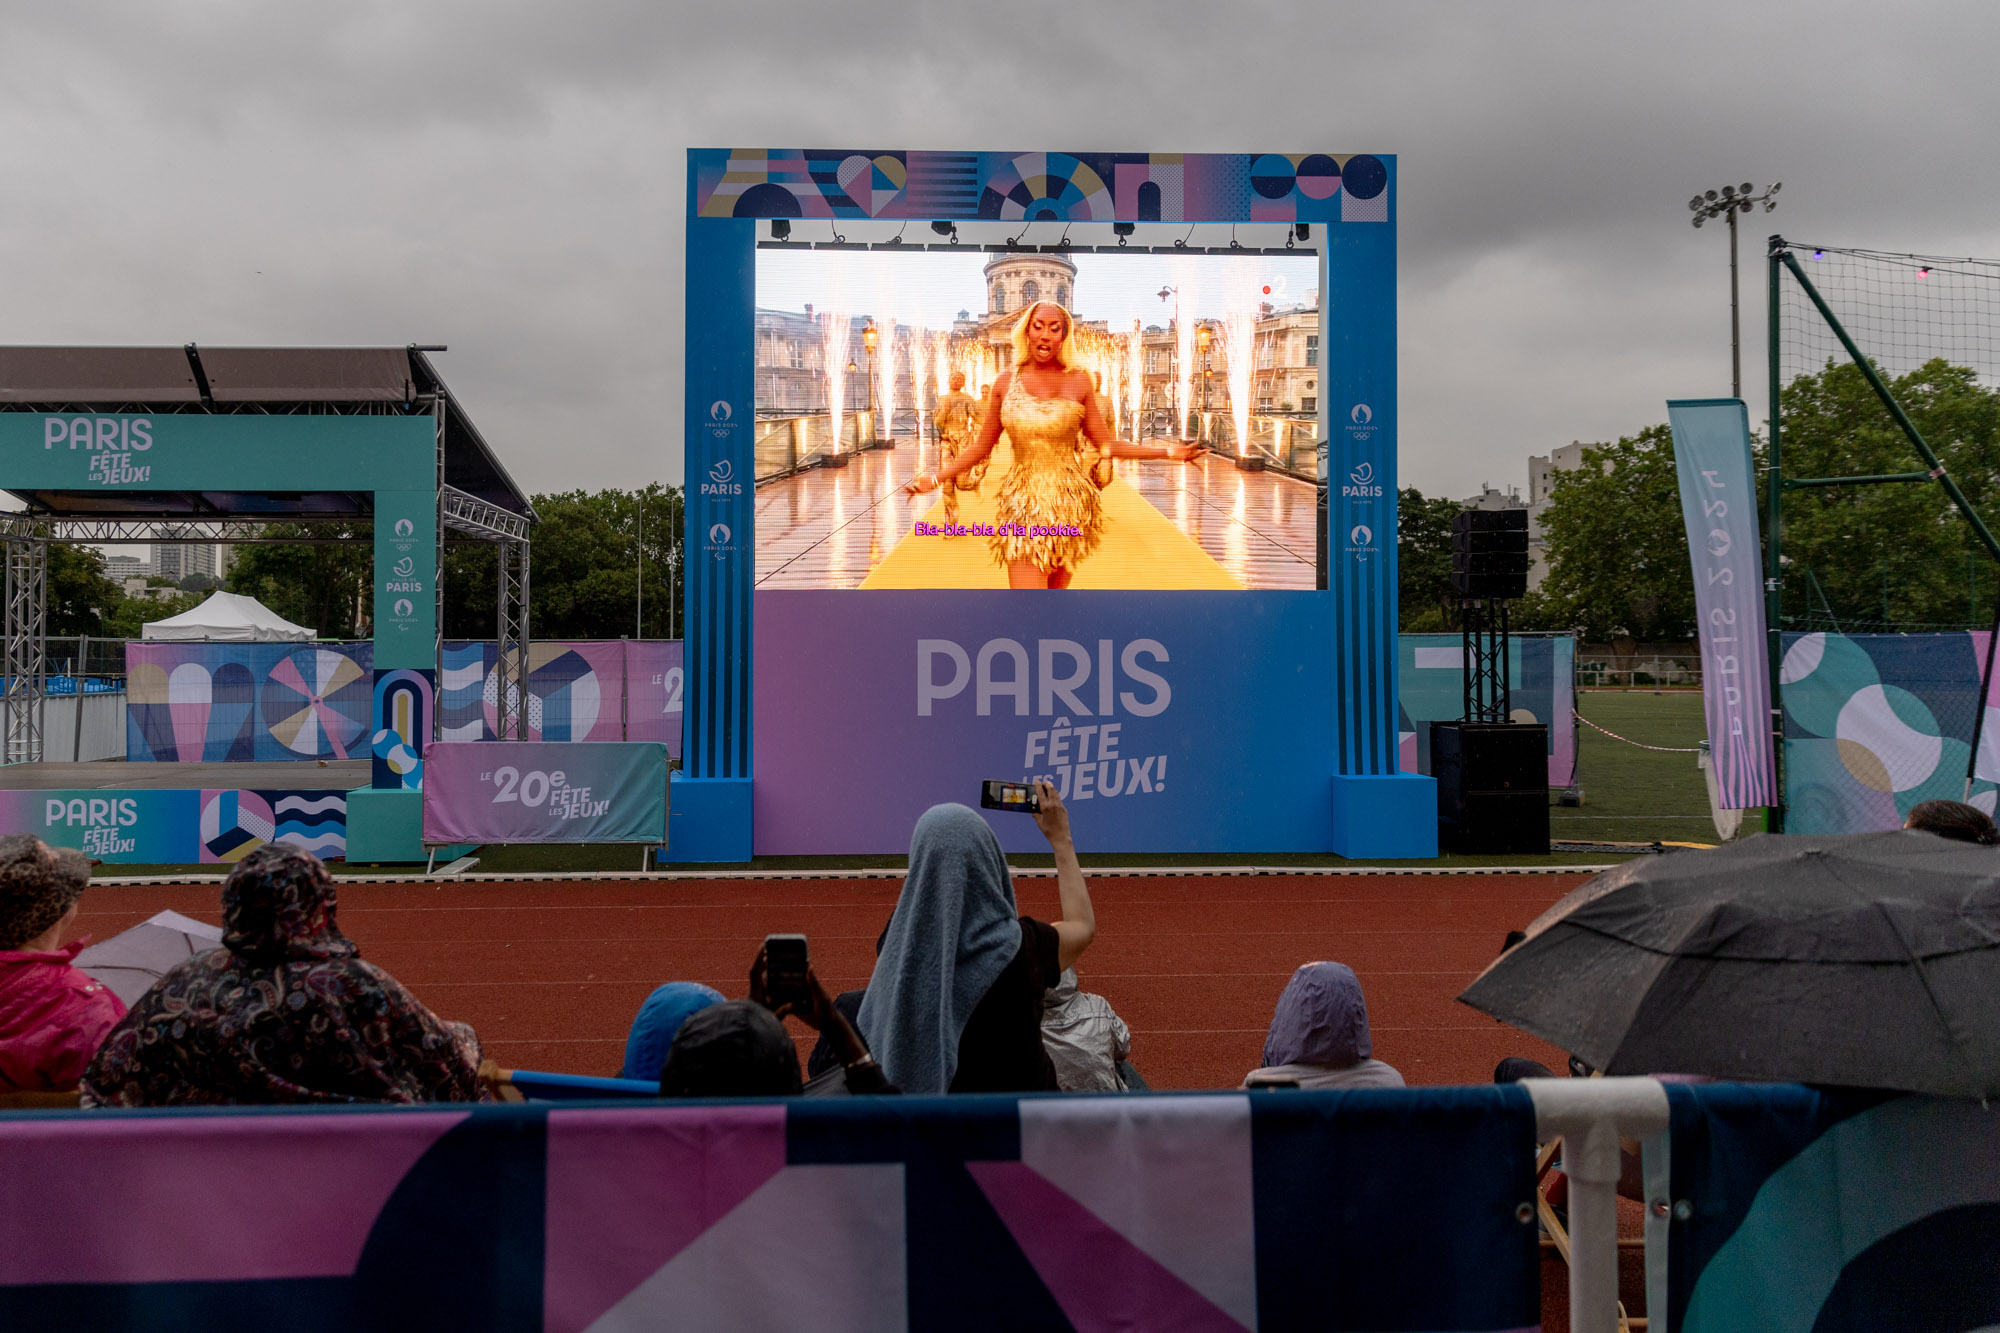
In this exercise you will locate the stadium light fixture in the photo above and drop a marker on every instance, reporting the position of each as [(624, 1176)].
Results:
[(1726, 204)]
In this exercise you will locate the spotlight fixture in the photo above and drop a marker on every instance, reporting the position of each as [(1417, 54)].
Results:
[(1122, 230), (1303, 231), (1924, 272), (948, 230), (781, 229), (1819, 254)]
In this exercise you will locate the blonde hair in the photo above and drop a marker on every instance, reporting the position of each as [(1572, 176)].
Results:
[(1065, 350)]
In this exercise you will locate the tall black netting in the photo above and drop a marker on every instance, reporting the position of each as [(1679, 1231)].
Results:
[(1895, 558)]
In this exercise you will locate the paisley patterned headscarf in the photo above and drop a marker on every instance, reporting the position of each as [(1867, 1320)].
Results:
[(285, 1011)]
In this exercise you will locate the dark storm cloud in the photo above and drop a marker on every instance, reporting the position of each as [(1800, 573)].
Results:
[(507, 177)]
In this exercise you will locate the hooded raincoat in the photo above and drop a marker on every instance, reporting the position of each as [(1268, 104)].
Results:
[(1319, 1033), (53, 1017)]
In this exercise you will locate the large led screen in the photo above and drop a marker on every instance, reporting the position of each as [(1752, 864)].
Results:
[(878, 366)]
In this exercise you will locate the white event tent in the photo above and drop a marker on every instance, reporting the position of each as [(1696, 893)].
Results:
[(227, 618)]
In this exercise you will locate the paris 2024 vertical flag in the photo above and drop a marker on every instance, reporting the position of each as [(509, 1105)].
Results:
[(1719, 505)]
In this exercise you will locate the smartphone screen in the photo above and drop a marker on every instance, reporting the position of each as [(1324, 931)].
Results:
[(786, 958), (996, 795)]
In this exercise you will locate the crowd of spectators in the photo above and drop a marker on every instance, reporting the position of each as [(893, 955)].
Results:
[(967, 994)]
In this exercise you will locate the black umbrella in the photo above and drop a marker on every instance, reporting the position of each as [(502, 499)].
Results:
[(1870, 960)]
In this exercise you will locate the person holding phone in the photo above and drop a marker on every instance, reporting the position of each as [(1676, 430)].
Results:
[(966, 1015)]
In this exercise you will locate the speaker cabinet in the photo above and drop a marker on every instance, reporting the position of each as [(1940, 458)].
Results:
[(1493, 786)]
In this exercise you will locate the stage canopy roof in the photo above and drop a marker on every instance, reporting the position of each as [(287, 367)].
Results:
[(227, 618), (163, 380)]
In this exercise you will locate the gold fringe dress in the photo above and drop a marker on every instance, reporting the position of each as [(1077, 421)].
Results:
[(1049, 484)]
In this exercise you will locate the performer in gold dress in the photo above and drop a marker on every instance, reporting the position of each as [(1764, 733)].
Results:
[(1062, 454)]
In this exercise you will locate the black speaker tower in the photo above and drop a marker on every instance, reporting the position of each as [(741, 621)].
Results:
[(1492, 774)]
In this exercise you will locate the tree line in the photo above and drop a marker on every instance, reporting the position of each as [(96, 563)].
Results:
[(587, 576), (1856, 559)]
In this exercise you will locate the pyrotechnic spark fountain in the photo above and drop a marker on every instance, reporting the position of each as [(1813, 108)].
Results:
[(1240, 321), (915, 347), (885, 377), (1184, 322), (833, 326), (1114, 386), (1135, 375)]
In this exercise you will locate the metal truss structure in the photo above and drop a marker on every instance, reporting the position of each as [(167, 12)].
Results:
[(510, 665), (378, 383), (24, 656), (1488, 674), (24, 664)]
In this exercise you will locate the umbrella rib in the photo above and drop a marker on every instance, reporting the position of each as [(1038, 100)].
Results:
[(1924, 979)]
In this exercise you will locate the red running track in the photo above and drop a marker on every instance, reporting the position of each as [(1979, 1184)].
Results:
[(550, 973)]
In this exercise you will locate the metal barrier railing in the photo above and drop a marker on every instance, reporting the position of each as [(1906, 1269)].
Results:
[(1591, 1116)]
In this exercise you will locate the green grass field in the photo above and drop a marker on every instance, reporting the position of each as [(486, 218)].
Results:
[(1635, 795)]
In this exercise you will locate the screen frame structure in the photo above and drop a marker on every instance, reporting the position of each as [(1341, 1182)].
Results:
[(1349, 201)]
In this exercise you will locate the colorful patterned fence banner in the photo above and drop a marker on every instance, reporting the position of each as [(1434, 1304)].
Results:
[(1875, 723), (1074, 186), (197, 703), (1821, 1213), (229, 702), (1719, 506), (607, 690), (654, 684), (546, 791), (1430, 686), (178, 826), (1203, 1213)]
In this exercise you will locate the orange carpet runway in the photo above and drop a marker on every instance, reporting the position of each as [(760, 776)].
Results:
[(550, 973)]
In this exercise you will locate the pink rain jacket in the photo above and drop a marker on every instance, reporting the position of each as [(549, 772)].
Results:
[(53, 1017)]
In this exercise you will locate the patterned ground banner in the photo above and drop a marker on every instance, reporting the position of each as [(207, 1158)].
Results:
[(232, 702), (1430, 685), (197, 703), (178, 826), (1814, 1212), (585, 690), (1209, 1213), (1875, 723)]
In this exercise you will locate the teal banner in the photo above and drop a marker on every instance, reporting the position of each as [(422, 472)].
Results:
[(406, 575), (252, 455), (197, 451)]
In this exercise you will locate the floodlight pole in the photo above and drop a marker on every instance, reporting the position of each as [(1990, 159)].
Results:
[(1727, 203), (1735, 319)]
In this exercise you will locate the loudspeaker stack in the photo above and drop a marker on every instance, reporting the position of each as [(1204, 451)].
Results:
[(1493, 786), (1489, 553)]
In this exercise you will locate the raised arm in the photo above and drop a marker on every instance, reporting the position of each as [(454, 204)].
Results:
[(1078, 926)]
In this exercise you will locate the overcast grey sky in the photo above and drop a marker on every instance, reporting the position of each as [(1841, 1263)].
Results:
[(507, 177)]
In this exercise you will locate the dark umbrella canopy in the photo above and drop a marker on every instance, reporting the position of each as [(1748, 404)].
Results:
[(1870, 960)]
